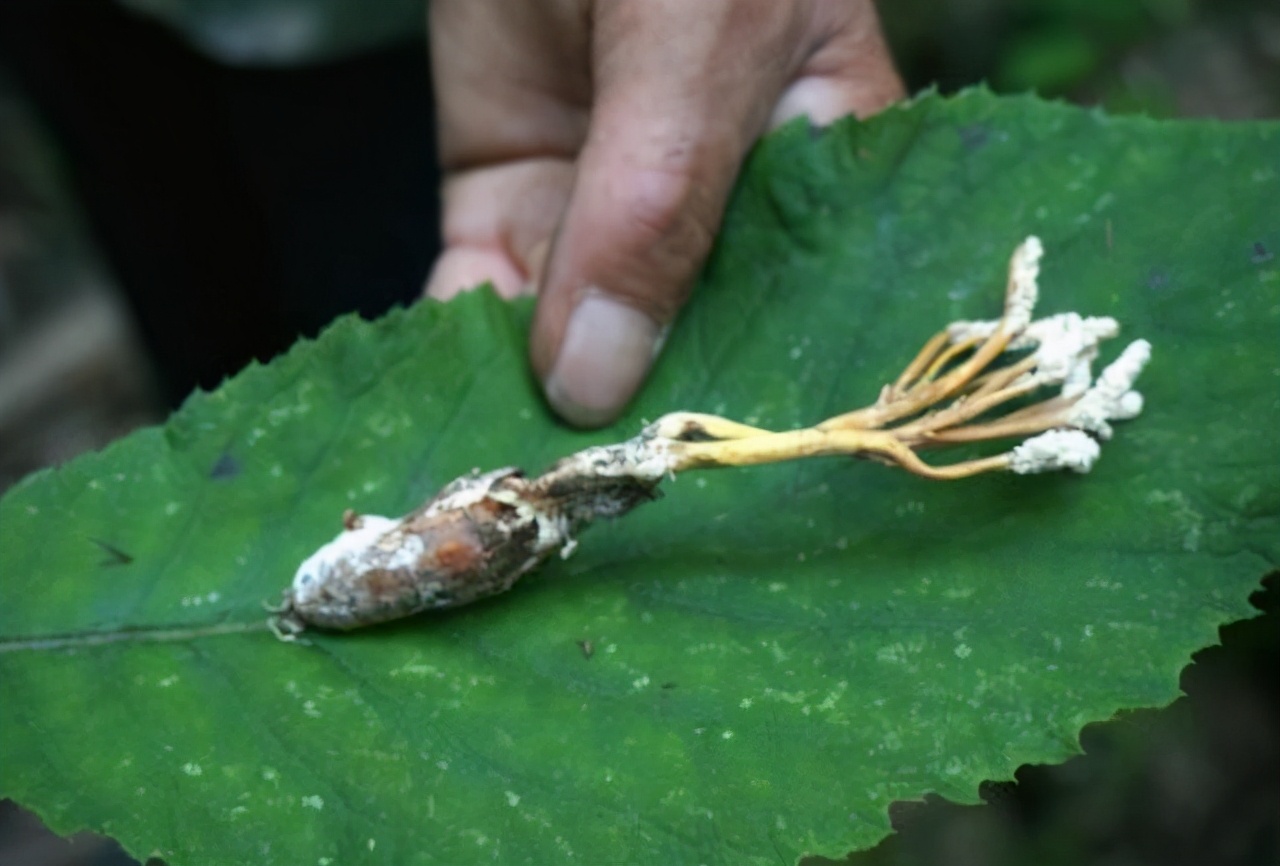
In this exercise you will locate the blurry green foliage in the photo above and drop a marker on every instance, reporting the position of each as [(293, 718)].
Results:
[(1078, 49)]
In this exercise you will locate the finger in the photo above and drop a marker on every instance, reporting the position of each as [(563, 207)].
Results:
[(852, 72), (506, 86), (459, 269), (682, 92), (511, 118), (497, 224)]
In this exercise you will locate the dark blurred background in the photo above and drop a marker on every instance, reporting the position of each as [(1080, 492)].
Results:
[(186, 186)]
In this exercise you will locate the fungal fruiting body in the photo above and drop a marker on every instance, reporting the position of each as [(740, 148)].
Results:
[(482, 532)]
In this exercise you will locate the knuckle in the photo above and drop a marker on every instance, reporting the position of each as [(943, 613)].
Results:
[(667, 212)]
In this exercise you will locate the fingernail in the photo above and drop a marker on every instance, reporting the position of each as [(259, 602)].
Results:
[(606, 352)]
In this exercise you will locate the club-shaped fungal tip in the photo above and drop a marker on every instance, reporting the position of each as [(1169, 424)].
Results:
[(1054, 450)]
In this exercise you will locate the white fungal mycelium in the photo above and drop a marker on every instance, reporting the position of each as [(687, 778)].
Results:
[(1023, 291), (1055, 450), (1064, 345), (1112, 397), (350, 546), (1063, 348)]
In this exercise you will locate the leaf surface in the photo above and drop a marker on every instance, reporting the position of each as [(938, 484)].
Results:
[(751, 669)]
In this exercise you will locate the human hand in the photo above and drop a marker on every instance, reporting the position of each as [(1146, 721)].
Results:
[(589, 147)]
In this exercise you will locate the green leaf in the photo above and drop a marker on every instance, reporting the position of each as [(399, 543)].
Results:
[(776, 653)]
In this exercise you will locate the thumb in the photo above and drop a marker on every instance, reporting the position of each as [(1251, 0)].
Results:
[(679, 100), (620, 271)]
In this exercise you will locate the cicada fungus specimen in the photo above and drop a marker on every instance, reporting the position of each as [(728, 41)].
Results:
[(482, 532)]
